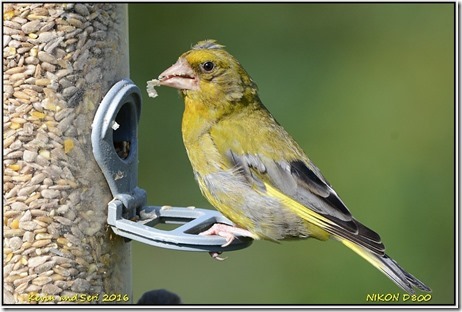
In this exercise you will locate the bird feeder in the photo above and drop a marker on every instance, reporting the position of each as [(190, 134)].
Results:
[(59, 61)]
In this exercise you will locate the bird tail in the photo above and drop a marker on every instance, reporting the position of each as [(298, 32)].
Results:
[(364, 242), (389, 267)]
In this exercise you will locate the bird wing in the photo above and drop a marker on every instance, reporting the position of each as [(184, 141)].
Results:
[(303, 189)]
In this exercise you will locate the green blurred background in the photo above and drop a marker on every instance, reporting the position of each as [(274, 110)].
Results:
[(366, 89)]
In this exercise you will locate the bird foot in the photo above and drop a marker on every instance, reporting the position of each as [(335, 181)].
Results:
[(226, 231)]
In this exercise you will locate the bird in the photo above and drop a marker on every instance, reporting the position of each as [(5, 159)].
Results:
[(252, 171)]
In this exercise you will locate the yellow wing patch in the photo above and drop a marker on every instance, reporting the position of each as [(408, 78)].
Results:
[(317, 224), (302, 211)]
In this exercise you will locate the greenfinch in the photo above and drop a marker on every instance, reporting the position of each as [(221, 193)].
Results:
[(252, 171)]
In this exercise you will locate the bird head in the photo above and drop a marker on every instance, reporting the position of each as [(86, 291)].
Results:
[(208, 72)]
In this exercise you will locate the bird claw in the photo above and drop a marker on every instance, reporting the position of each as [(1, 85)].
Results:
[(216, 255)]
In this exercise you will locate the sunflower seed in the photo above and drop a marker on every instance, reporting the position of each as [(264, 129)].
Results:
[(44, 267), (25, 279), (42, 280), (36, 261), (51, 289), (32, 26)]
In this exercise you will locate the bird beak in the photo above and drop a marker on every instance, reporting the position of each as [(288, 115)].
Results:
[(180, 75)]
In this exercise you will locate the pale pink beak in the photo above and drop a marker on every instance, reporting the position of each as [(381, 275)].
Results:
[(180, 75)]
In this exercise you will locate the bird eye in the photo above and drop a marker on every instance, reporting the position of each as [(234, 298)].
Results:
[(208, 66)]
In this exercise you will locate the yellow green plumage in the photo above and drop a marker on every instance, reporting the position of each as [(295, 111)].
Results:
[(250, 168)]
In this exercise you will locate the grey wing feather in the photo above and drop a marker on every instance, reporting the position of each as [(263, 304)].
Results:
[(308, 187)]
